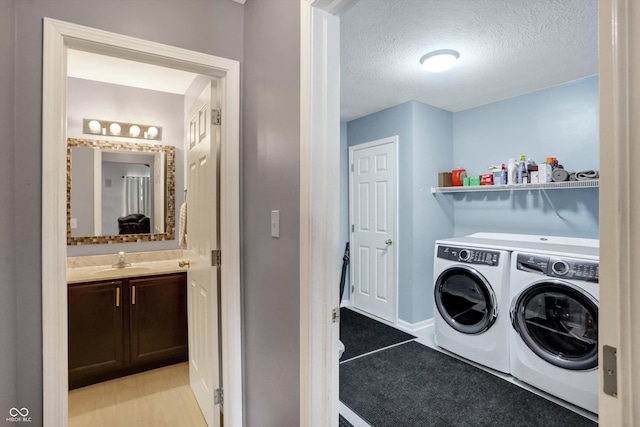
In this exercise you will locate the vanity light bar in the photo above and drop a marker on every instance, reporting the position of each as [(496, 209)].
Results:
[(120, 129)]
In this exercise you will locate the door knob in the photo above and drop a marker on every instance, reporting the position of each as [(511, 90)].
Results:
[(185, 263), (388, 241)]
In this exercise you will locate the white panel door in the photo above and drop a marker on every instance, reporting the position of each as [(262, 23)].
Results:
[(202, 217), (373, 219)]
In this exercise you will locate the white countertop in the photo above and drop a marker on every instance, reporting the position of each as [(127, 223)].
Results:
[(94, 268), (104, 272)]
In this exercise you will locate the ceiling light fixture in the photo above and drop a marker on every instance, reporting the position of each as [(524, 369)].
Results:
[(439, 60), (120, 129)]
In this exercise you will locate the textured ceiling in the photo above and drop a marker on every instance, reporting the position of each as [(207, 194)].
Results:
[(507, 48)]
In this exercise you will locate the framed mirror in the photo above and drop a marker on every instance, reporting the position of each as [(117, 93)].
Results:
[(119, 192)]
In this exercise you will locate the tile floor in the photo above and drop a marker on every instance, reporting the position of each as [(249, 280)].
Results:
[(158, 398)]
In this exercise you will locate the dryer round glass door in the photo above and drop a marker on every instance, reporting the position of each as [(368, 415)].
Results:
[(465, 300), (559, 323)]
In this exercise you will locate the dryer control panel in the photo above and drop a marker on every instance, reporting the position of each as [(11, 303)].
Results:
[(567, 268), (469, 256)]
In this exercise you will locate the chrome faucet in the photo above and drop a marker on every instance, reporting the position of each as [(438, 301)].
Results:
[(122, 263)]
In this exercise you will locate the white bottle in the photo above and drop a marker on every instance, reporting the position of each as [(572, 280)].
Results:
[(512, 172), (522, 173)]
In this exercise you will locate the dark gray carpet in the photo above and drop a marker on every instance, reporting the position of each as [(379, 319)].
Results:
[(361, 334), (412, 385), (342, 422)]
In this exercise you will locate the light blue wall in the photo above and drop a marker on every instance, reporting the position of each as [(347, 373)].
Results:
[(424, 149), (432, 219), (560, 121)]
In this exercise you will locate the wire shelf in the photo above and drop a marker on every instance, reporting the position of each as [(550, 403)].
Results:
[(592, 183)]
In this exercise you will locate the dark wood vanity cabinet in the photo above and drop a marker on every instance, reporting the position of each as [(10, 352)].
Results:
[(158, 319), (96, 329), (120, 327)]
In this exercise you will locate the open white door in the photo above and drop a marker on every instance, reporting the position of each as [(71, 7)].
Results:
[(202, 278), (373, 218)]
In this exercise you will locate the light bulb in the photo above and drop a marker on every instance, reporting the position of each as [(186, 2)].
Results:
[(94, 126), (114, 129), (134, 131)]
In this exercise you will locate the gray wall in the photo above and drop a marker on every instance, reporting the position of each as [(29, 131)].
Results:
[(271, 114), (209, 26), (8, 226)]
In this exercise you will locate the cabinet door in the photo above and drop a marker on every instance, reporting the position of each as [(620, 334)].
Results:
[(158, 319), (95, 330)]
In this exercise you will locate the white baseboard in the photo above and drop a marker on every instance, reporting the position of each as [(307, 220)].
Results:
[(351, 416), (415, 328)]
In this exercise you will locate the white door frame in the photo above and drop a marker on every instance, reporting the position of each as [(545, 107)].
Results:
[(619, 241), (319, 220), (320, 254), (394, 142), (58, 36), (619, 205)]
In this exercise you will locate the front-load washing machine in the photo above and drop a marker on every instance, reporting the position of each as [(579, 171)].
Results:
[(471, 297), (554, 316)]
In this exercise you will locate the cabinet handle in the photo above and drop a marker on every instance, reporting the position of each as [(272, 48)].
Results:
[(118, 297), (133, 295)]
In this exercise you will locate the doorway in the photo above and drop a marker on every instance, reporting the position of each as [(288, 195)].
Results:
[(617, 18), (58, 37)]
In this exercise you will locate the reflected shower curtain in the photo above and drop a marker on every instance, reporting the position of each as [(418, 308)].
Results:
[(137, 195)]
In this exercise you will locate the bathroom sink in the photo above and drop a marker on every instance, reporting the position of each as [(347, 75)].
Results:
[(115, 270)]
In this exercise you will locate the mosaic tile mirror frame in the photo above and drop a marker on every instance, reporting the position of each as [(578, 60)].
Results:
[(162, 224)]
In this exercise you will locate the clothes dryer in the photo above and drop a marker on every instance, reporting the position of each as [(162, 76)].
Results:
[(471, 298), (554, 317)]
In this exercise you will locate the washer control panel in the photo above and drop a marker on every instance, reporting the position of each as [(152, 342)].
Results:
[(469, 256), (567, 268)]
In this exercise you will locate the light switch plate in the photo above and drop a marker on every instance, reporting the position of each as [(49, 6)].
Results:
[(275, 224), (74, 222)]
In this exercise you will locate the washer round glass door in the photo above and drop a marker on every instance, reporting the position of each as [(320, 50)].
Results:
[(559, 323), (465, 300)]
